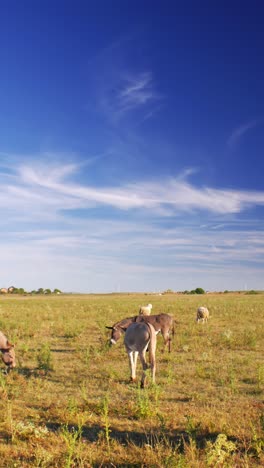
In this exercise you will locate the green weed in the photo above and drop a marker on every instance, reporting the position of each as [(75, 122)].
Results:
[(44, 358), (219, 452), (72, 439), (144, 408), (105, 417), (260, 375), (192, 428)]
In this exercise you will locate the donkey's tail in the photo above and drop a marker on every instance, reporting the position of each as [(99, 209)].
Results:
[(173, 327), (152, 349)]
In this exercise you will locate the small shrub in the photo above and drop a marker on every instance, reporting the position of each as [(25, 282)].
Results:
[(202, 371), (72, 406), (144, 407), (260, 375), (25, 430), (105, 416), (72, 439), (44, 358), (249, 339), (257, 443), (220, 451), (71, 332), (192, 427)]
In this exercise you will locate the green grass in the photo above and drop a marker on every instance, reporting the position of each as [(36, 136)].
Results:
[(69, 402)]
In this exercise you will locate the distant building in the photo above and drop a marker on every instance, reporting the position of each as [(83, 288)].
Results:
[(11, 289), (3, 291)]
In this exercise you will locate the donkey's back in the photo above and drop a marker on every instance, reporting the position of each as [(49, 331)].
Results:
[(161, 322), (137, 337)]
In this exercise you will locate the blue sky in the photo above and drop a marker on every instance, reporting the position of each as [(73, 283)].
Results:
[(131, 145)]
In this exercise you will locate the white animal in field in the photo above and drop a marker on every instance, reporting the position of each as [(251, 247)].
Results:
[(202, 314), (139, 337), (145, 310)]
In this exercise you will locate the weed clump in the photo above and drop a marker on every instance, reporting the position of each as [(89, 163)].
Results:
[(44, 358), (219, 452)]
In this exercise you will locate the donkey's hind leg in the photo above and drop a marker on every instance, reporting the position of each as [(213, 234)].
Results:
[(133, 355), (145, 366), (167, 342)]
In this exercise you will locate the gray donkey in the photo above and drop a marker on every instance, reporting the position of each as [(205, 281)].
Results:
[(162, 322), (138, 337)]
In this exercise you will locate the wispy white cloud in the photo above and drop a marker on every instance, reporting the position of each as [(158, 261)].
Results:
[(135, 91), (129, 92), (240, 131), (42, 224), (37, 185), (90, 253), (120, 87)]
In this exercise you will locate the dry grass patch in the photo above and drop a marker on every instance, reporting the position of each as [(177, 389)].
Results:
[(69, 402)]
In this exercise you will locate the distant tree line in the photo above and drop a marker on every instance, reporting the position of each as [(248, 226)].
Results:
[(193, 291), (14, 290), (46, 291)]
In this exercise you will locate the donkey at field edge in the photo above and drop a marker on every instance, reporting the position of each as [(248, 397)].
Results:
[(161, 322), (138, 337), (8, 352)]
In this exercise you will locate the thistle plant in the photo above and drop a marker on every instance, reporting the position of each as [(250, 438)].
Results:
[(219, 452)]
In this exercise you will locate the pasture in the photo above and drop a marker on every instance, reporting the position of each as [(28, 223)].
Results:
[(69, 402)]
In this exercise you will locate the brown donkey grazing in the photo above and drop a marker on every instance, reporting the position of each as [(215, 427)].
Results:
[(138, 337), (162, 322), (8, 352)]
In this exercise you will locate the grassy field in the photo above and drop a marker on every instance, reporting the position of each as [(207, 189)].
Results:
[(69, 402)]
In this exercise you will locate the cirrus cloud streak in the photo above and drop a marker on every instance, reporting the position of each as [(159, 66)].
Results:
[(169, 195)]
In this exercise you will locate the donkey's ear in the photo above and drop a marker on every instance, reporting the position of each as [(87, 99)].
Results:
[(9, 345), (109, 328)]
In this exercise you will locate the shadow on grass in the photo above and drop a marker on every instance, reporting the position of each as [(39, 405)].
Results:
[(26, 372), (35, 372), (177, 439), (179, 399)]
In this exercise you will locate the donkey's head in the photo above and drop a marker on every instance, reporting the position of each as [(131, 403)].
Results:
[(115, 335), (8, 355)]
